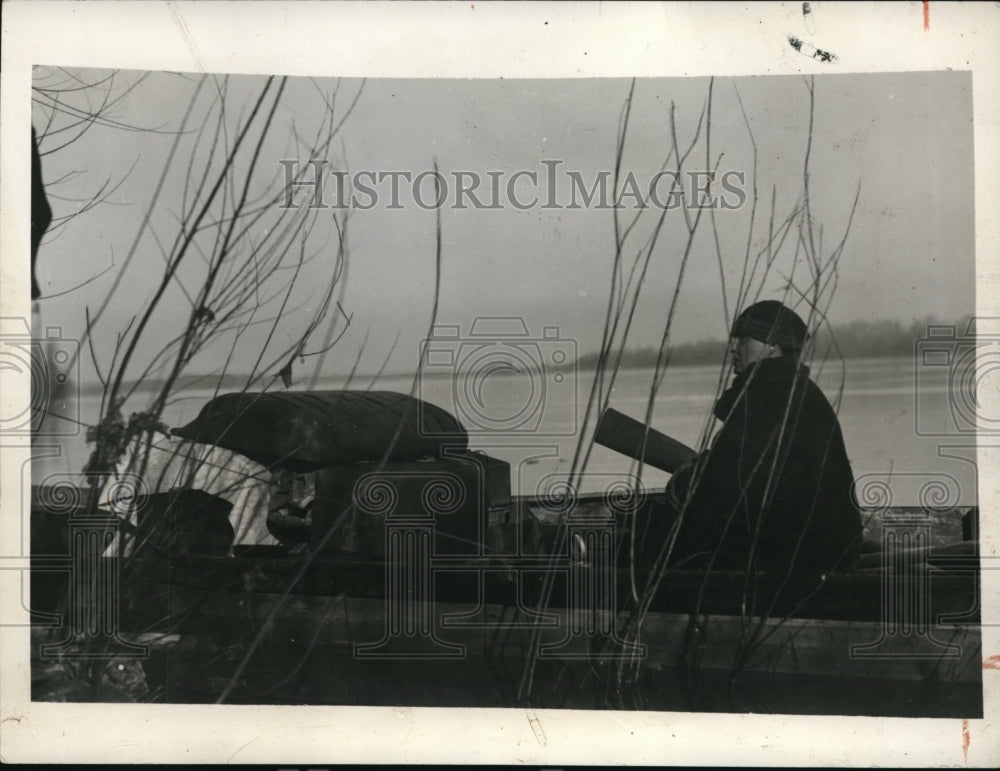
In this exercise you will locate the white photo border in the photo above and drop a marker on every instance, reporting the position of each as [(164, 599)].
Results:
[(484, 40)]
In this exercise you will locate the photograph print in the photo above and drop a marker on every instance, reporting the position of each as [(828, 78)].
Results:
[(650, 394)]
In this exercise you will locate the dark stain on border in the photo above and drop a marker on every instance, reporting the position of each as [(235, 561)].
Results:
[(811, 51)]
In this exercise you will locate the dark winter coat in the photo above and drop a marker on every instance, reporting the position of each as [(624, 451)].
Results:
[(775, 488)]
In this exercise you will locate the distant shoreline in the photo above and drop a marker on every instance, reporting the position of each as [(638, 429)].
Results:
[(228, 383), (855, 341)]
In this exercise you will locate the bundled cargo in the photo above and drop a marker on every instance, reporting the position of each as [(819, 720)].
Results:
[(456, 499), (346, 464), (309, 430)]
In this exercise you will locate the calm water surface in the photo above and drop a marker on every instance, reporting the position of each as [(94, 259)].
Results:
[(536, 422)]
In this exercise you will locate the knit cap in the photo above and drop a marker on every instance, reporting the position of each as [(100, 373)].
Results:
[(771, 322)]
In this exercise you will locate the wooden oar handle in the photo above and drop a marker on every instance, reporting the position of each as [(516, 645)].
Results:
[(623, 434)]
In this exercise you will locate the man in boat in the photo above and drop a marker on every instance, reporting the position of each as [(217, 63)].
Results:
[(774, 492)]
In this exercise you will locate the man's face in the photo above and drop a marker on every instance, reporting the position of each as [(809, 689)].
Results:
[(745, 351)]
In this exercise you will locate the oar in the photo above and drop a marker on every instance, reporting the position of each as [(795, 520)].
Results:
[(623, 434)]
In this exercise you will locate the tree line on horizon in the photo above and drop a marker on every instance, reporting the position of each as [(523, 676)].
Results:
[(854, 340)]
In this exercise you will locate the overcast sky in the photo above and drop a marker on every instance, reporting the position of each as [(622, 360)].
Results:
[(905, 138)]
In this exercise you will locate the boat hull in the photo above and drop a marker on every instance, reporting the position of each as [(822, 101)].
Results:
[(530, 619)]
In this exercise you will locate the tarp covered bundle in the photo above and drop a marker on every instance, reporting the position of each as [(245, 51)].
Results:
[(308, 430)]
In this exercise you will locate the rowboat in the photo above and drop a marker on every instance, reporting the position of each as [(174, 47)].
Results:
[(541, 612), (426, 583)]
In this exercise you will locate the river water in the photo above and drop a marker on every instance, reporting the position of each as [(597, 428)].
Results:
[(903, 424)]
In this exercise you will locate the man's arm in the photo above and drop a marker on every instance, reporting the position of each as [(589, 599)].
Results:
[(724, 487)]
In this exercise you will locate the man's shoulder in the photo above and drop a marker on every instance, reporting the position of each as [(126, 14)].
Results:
[(817, 401)]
